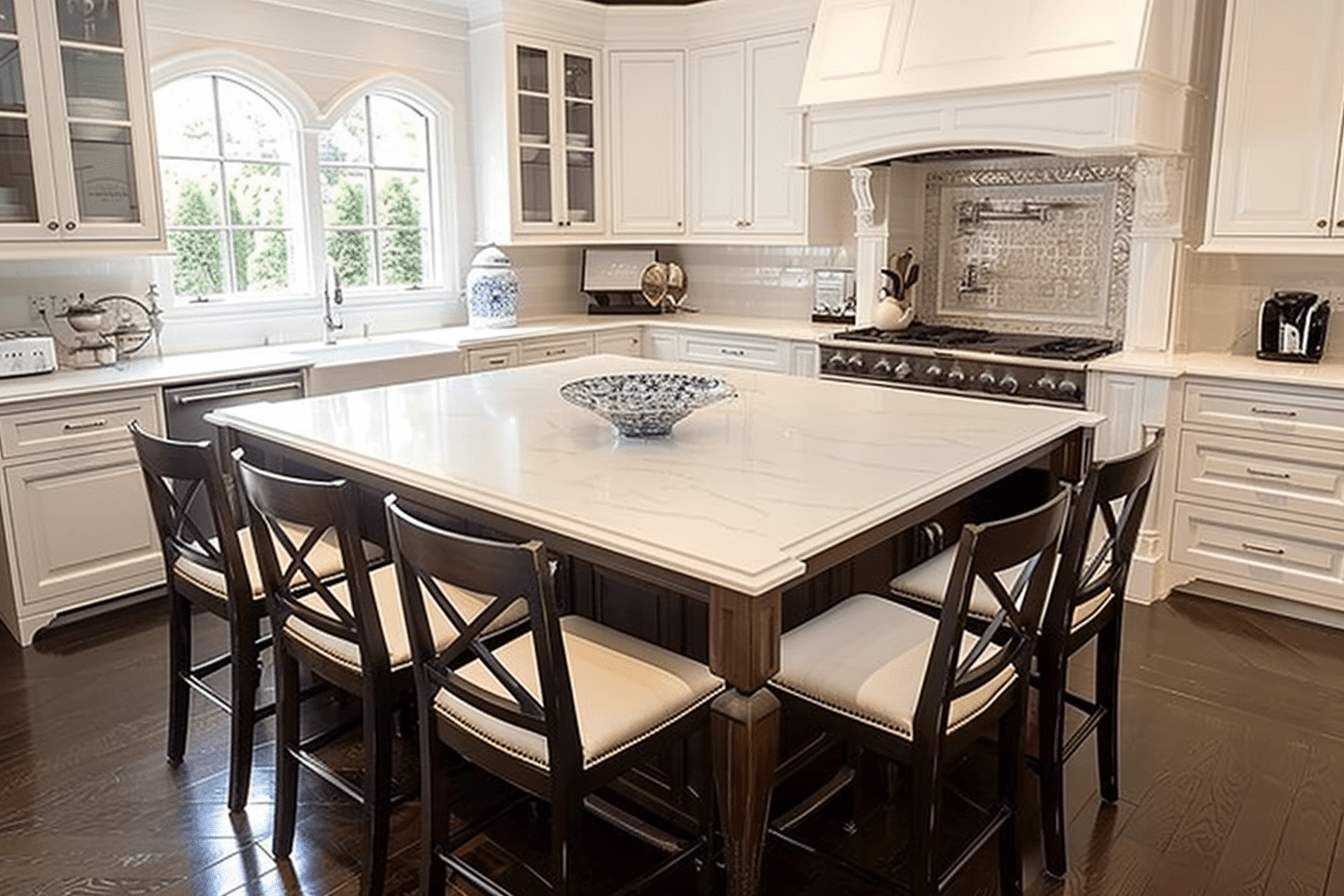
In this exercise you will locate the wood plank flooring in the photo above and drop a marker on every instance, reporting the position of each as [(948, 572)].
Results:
[(1232, 780)]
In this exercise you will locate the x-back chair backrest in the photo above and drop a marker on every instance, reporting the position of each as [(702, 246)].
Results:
[(1110, 502), (179, 476), (290, 518), (502, 573), (1014, 559)]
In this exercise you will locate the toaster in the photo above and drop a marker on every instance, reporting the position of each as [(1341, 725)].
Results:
[(1292, 327), (25, 353)]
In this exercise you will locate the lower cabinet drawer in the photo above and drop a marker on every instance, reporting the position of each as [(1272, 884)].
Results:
[(1294, 478), (77, 424), (1297, 412), (556, 349), (757, 354), (1287, 558), (492, 358)]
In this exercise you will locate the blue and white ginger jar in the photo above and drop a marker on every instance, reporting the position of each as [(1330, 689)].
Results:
[(492, 290)]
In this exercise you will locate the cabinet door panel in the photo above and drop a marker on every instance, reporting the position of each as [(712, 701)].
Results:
[(1279, 127), (718, 139), (81, 523), (647, 143), (778, 186)]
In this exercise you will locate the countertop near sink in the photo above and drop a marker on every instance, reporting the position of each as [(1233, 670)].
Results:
[(149, 370)]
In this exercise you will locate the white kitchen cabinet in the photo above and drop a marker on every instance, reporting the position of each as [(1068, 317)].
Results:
[(77, 524), (555, 348), (660, 344), (1275, 184), (77, 161), (746, 142), (733, 350), (624, 341), (804, 358), (1259, 491), (647, 111), (495, 356)]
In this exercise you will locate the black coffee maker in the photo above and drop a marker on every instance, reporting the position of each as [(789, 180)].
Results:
[(1292, 327)]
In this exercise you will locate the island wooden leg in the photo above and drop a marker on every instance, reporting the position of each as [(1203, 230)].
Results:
[(744, 648), (746, 749)]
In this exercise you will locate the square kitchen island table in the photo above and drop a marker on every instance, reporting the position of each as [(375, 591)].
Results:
[(745, 499)]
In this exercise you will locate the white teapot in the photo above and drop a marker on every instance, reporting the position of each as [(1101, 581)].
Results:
[(893, 311)]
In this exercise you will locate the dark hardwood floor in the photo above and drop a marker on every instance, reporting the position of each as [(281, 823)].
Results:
[(1232, 779)]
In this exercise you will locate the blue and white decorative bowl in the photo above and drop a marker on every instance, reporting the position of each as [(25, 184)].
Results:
[(644, 405)]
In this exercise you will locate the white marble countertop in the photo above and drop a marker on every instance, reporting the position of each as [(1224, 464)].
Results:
[(1326, 374), (147, 370), (740, 494)]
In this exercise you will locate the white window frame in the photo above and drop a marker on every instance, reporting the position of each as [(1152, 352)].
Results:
[(309, 256)]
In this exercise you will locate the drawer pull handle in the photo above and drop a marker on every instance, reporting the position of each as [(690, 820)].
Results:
[(1274, 412), (1261, 549), (1268, 474), (87, 424), (226, 394), (735, 352)]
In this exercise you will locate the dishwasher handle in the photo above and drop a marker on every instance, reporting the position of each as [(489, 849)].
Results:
[(199, 397)]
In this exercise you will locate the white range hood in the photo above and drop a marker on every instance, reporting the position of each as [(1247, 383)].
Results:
[(892, 78)]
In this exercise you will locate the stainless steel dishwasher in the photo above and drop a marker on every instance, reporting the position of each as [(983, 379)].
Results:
[(187, 405)]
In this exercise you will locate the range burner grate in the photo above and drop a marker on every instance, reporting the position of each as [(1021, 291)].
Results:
[(919, 334), (1074, 348)]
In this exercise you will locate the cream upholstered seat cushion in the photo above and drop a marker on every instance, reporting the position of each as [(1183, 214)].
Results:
[(390, 612), (325, 559), (866, 656), (624, 690), (927, 583)]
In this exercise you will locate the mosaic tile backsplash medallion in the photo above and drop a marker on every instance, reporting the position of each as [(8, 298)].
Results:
[(1029, 245)]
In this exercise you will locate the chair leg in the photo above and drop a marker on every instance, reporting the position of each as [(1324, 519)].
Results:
[(246, 677), (924, 792), (286, 742), (566, 820), (1051, 747), (179, 663), (434, 820), (1108, 698), (1010, 767), (379, 730)]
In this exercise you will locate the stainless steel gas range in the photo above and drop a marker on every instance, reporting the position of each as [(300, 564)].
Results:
[(1040, 369)]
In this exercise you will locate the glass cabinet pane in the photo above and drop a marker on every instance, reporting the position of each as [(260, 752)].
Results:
[(11, 77), (534, 120), (582, 195), (7, 17), (535, 183), (18, 195), (104, 173), (579, 124), (578, 77), (533, 74), (90, 21), (95, 84)]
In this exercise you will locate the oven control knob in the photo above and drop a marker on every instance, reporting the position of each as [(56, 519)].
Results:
[(855, 364), (1046, 384), (933, 373), (882, 368), (1008, 384), (956, 377), (903, 371), (836, 361), (987, 381), (1068, 389)]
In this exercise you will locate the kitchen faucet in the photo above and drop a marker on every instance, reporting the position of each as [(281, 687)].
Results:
[(331, 298)]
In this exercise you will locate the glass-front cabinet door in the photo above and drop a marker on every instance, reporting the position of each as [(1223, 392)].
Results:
[(555, 131), (76, 160)]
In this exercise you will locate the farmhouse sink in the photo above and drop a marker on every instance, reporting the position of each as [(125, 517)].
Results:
[(366, 364)]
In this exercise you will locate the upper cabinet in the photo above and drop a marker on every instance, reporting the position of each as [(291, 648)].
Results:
[(554, 130), (1275, 184), (77, 163), (647, 94)]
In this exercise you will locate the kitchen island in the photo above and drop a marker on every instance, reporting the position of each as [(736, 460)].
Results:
[(745, 499)]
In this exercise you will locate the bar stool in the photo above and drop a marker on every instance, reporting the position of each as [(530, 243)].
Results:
[(1086, 604), (921, 691), (558, 711)]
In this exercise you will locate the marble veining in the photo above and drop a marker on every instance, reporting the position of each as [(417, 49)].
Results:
[(741, 496)]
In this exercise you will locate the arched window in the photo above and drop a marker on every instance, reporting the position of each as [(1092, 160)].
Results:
[(376, 193), (228, 156)]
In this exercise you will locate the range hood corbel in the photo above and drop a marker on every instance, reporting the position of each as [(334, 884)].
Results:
[(889, 79)]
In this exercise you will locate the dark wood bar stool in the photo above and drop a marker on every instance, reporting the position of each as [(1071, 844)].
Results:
[(922, 691), (558, 711), (1086, 604), (347, 629)]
